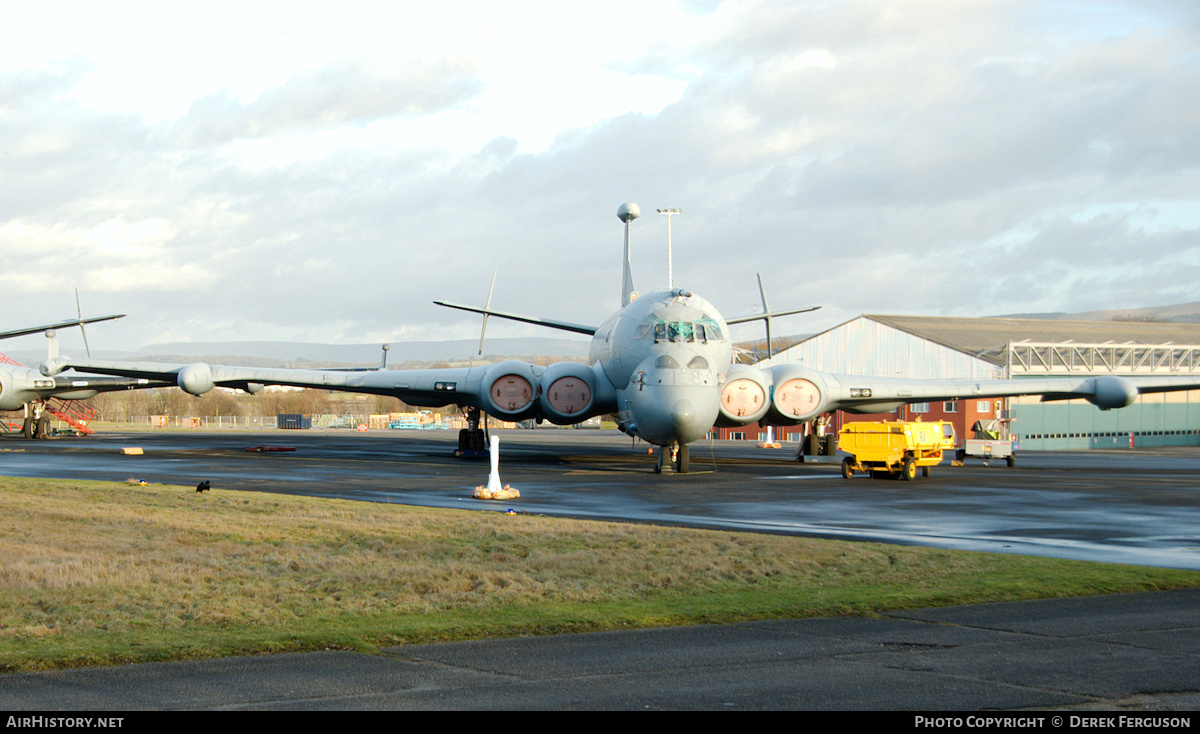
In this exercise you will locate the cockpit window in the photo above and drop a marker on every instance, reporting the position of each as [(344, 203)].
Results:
[(681, 331), (703, 331), (711, 330)]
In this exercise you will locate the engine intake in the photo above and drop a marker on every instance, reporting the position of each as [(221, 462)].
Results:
[(511, 392), (798, 395), (567, 393), (743, 396)]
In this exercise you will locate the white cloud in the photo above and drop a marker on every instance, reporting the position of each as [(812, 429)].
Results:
[(326, 172)]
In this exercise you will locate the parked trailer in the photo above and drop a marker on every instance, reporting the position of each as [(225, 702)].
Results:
[(894, 447), (988, 449)]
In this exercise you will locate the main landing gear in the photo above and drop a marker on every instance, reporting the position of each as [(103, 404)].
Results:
[(473, 440), (37, 422), (672, 459)]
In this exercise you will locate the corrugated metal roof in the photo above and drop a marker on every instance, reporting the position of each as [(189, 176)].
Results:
[(977, 337)]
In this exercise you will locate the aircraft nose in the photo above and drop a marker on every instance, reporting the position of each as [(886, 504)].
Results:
[(683, 415), (668, 406)]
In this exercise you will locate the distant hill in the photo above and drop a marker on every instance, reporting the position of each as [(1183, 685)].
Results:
[(1182, 313)]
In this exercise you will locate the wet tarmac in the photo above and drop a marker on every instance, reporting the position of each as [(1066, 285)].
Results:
[(1138, 506), (1130, 653)]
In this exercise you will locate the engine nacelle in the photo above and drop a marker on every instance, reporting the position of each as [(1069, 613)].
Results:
[(512, 389), (1113, 392), (797, 395), (567, 392), (744, 396), (195, 379)]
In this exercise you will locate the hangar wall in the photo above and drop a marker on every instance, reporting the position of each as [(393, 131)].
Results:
[(867, 346), (863, 346), (1166, 419)]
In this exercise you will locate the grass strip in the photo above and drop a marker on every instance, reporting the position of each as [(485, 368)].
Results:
[(100, 573)]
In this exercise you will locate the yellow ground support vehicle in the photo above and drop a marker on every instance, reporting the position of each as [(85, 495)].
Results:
[(895, 447)]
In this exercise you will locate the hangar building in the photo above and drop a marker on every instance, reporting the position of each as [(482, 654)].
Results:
[(1000, 348)]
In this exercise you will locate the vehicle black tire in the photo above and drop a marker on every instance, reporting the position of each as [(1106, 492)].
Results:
[(27, 427), (847, 468), (908, 470), (1012, 461), (681, 462), (924, 471), (464, 439)]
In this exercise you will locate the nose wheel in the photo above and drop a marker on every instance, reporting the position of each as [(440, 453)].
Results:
[(672, 459)]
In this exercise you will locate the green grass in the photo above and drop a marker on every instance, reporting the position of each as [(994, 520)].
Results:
[(103, 573)]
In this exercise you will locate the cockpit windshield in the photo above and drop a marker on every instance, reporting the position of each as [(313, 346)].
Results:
[(703, 331)]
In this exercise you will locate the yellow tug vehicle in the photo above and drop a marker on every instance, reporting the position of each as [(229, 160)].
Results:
[(894, 447)]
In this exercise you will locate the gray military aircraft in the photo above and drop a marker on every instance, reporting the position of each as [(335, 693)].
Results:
[(22, 387), (662, 365)]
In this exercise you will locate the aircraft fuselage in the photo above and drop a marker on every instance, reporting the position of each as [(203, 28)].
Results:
[(665, 356)]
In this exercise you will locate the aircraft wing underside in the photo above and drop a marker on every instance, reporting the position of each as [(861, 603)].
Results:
[(509, 390)]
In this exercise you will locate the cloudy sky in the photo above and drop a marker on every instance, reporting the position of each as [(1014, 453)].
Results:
[(322, 172)]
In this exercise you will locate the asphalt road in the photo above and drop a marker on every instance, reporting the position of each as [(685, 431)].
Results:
[(1130, 653)]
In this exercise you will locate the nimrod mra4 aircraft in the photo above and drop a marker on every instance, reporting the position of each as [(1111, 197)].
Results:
[(662, 365)]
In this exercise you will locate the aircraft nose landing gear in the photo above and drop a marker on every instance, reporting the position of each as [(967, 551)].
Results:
[(677, 462)]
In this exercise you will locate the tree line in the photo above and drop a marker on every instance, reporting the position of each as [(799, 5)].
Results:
[(121, 406)]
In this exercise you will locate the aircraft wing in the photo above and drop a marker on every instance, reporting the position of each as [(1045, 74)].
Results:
[(563, 325), (199, 377), (771, 315), (60, 325), (879, 394), (507, 390)]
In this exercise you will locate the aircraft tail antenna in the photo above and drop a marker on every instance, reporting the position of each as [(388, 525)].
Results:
[(79, 312), (766, 310), (483, 330), (627, 212)]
